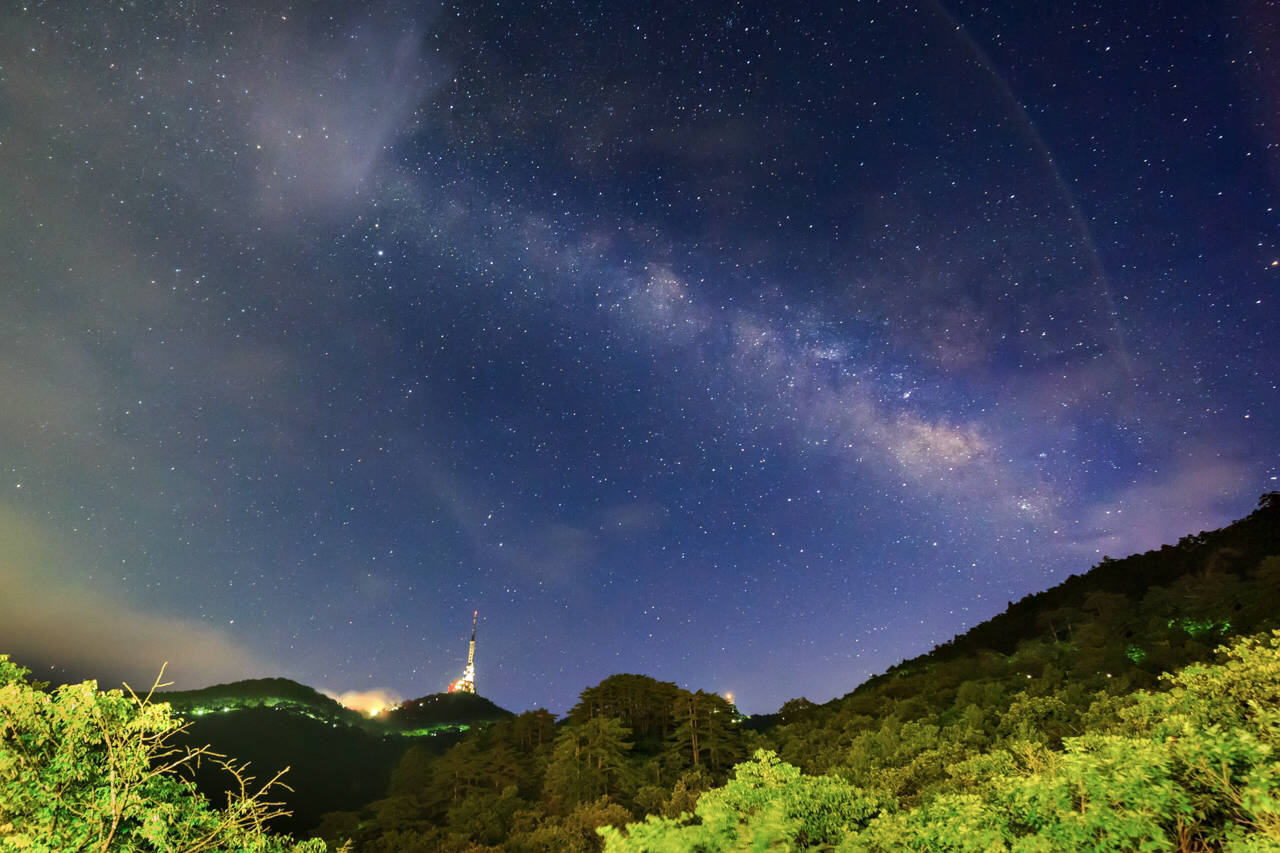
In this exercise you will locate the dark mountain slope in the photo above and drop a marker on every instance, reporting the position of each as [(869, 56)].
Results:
[(1233, 550), (338, 758), (442, 710), (1106, 632), (330, 765), (278, 693)]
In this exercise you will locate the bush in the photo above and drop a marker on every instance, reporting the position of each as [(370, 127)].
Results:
[(768, 805), (1192, 768), (83, 769)]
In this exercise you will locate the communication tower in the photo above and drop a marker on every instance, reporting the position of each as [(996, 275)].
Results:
[(467, 683)]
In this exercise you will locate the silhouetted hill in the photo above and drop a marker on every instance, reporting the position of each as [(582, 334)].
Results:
[(277, 693), (440, 710), (1133, 617), (331, 766), (338, 758), (1234, 550)]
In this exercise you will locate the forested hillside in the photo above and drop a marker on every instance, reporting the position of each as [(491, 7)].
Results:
[(280, 694), (336, 757), (1189, 768), (1136, 706), (1048, 727)]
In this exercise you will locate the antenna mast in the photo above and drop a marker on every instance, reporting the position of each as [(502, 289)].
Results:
[(467, 683), (471, 651)]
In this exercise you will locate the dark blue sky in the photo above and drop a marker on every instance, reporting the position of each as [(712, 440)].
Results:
[(753, 347)]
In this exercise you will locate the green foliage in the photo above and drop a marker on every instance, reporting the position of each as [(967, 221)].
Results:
[(705, 731), (1198, 627), (82, 769), (640, 703), (767, 805), (1046, 728), (589, 761), (278, 693), (485, 817), (1104, 793), (1036, 718), (1221, 727), (1191, 768), (576, 832)]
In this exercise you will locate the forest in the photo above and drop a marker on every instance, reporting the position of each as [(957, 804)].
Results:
[(1134, 707)]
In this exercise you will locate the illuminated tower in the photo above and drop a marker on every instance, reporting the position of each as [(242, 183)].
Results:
[(467, 683)]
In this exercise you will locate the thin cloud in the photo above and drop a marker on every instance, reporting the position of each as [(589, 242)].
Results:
[(1195, 495), (48, 617)]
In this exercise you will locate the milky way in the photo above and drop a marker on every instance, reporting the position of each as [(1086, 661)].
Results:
[(753, 347)]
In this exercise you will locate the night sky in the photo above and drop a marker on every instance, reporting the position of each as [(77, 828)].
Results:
[(749, 346)]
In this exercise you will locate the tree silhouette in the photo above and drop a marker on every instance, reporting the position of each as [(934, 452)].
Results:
[(588, 761)]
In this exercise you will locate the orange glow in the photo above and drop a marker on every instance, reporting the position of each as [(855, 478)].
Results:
[(367, 702)]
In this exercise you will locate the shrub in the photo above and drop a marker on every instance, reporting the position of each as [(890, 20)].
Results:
[(84, 769)]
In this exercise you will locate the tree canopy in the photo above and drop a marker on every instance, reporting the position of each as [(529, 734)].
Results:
[(84, 769)]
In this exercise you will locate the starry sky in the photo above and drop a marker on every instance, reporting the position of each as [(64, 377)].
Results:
[(750, 346)]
